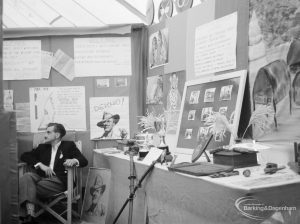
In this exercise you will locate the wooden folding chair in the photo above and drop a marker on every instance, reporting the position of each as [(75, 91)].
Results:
[(68, 198), (72, 195)]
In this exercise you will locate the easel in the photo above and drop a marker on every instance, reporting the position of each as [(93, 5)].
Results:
[(133, 188), (200, 149)]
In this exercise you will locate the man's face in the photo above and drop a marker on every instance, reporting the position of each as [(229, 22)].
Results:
[(50, 135), (95, 196), (108, 124)]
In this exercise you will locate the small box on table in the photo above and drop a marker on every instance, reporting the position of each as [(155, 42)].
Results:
[(235, 159)]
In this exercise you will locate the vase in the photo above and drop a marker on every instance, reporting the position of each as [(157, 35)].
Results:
[(162, 142)]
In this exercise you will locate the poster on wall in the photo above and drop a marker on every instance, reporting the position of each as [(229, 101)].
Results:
[(105, 56), (159, 48), (21, 59), (215, 45), (154, 90), (172, 95), (95, 203), (109, 117), (8, 99), (65, 105), (23, 117), (274, 59)]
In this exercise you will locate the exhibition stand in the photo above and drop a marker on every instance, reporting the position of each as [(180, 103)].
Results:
[(170, 197)]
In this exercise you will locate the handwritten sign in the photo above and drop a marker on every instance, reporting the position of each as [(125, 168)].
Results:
[(215, 45), (102, 56), (21, 59)]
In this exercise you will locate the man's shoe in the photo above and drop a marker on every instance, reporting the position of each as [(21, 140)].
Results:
[(28, 220)]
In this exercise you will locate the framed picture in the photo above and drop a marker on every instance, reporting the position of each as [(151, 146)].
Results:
[(159, 48), (202, 97), (95, 204)]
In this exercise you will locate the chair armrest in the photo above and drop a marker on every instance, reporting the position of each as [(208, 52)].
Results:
[(22, 168)]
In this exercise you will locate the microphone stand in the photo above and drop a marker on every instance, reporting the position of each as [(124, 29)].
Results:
[(133, 188)]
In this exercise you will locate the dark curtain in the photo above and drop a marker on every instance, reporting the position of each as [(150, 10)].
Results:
[(139, 46), (9, 169)]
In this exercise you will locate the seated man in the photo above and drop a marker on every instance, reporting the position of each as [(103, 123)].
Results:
[(49, 160)]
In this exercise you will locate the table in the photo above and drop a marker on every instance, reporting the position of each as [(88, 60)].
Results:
[(168, 197)]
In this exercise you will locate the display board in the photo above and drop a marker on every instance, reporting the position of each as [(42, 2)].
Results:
[(201, 97)]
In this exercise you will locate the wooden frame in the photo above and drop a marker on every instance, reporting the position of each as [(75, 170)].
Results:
[(223, 93)]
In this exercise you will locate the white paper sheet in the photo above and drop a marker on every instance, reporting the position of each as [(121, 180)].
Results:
[(21, 59), (65, 105), (115, 106), (64, 64), (152, 155), (23, 117), (102, 56), (47, 58), (215, 45)]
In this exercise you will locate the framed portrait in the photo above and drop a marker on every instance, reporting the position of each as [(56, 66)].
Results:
[(173, 84), (154, 90), (96, 196), (159, 48), (191, 129)]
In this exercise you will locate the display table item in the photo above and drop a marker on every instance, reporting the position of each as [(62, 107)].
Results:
[(200, 168), (235, 159)]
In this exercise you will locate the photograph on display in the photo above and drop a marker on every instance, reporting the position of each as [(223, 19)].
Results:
[(225, 93), (274, 62), (95, 203), (188, 134), (201, 128), (120, 82), (191, 115), (206, 111), (154, 90), (109, 117), (172, 95), (159, 48), (194, 97), (209, 95), (223, 110), (202, 132), (102, 83), (218, 137)]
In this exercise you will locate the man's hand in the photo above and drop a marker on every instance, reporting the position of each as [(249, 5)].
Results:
[(71, 162), (48, 171)]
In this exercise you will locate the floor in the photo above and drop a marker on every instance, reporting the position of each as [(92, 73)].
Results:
[(47, 218)]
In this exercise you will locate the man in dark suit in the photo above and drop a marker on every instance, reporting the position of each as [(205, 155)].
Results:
[(49, 160)]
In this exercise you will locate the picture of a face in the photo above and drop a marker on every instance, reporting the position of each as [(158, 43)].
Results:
[(188, 133), (225, 93), (202, 133), (209, 95), (108, 124), (191, 115), (194, 97), (223, 110), (206, 111)]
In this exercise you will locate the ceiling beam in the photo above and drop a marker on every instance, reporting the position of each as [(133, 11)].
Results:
[(133, 10)]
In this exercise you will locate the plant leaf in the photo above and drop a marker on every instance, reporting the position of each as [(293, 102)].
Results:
[(262, 117)]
